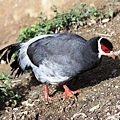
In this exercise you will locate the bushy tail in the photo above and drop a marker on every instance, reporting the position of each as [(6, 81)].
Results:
[(7, 52), (6, 55)]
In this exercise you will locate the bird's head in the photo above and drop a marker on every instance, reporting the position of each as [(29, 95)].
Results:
[(105, 48)]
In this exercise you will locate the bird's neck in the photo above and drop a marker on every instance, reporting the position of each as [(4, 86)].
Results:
[(91, 50), (93, 45)]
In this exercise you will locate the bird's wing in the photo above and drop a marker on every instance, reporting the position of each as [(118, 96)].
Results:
[(65, 44), (62, 50)]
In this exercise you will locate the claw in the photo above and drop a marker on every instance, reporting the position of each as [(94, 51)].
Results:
[(69, 93)]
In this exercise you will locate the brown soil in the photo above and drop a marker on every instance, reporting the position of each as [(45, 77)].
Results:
[(99, 98)]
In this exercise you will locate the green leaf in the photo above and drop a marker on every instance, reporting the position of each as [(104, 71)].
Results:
[(81, 23), (111, 12)]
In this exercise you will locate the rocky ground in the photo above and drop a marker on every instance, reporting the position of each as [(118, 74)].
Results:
[(99, 97)]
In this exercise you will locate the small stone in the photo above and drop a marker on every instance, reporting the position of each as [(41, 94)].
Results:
[(26, 103), (2, 62), (94, 108), (15, 109), (105, 20), (108, 114), (116, 86), (78, 114), (114, 71)]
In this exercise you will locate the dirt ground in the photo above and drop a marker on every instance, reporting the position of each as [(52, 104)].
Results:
[(99, 97)]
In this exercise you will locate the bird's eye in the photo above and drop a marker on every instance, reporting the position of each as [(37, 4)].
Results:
[(105, 49)]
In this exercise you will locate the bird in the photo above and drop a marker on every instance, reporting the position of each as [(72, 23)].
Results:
[(55, 58)]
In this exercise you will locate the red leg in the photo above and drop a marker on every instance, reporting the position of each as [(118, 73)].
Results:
[(69, 93), (47, 97)]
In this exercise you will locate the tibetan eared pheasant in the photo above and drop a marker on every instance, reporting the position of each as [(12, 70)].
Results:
[(55, 58)]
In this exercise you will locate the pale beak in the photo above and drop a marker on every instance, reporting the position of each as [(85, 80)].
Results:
[(112, 55)]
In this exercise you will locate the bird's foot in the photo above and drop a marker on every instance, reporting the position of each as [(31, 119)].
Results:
[(47, 98), (69, 93)]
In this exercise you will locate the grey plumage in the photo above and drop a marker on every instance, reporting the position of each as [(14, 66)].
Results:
[(55, 58)]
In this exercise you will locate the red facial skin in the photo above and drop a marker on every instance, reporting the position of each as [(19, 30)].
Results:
[(105, 49)]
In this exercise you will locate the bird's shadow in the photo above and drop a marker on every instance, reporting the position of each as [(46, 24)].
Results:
[(108, 68)]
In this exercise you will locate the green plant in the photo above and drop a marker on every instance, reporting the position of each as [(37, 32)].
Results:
[(7, 96), (79, 16), (111, 12)]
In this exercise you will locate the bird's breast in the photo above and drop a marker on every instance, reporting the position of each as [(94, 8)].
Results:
[(50, 72)]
